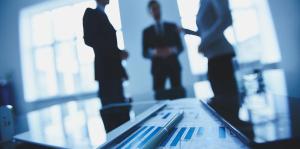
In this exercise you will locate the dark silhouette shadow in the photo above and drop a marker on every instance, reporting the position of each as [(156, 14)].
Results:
[(109, 72)]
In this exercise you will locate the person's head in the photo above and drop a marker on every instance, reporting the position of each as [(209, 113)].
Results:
[(102, 2), (154, 9)]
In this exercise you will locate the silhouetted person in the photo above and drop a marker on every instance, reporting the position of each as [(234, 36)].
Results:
[(162, 45), (109, 72), (213, 18)]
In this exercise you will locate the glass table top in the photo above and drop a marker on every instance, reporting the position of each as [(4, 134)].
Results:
[(75, 124), (265, 114)]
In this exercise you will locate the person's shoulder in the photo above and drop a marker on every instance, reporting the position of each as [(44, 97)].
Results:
[(89, 11), (148, 29), (170, 24)]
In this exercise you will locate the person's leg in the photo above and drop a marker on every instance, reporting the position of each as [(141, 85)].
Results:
[(111, 93), (221, 75), (222, 78), (177, 90), (159, 80), (175, 78), (115, 116)]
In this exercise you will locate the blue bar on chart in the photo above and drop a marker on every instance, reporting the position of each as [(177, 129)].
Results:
[(132, 137), (178, 137), (137, 139), (165, 142), (200, 131), (222, 132), (149, 137), (166, 116), (189, 134)]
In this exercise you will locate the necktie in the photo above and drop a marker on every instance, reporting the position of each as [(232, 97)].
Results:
[(159, 29)]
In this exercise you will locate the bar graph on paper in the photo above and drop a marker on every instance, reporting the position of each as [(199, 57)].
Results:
[(197, 129)]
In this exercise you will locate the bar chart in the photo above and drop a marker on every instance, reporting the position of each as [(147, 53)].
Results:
[(192, 127)]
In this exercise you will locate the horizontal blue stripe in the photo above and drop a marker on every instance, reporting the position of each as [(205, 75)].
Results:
[(131, 137), (140, 137), (189, 134), (149, 137), (178, 136), (200, 131), (165, 142), (166, 116), (222, 132)]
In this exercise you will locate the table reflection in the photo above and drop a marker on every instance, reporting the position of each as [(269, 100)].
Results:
[(263, 112), (75, 124)]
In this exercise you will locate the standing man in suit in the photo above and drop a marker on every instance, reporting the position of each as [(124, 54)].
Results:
[(162, 45), (109, 72), (213, 18)]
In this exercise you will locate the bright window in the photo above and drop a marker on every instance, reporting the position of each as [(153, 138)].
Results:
[(56, 62)]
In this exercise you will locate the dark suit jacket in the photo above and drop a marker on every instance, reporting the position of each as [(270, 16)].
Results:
[(101, 36), (152, 40)]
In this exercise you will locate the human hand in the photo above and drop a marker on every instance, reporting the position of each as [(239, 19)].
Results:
[(180, 29), (201, 48), (125, 78), (164, 52), (124, 54)]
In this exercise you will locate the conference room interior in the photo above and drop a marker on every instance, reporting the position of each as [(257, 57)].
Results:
[(47, 71)]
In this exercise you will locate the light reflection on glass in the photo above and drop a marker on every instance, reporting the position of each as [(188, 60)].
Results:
[(53, 125), (96, 138), (267, 109), (71, 125), (203, 90)]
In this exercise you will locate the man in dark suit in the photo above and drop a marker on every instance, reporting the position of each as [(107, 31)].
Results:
[(162, 44), (109, 72)]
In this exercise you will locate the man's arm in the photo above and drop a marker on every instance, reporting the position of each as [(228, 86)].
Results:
[(89, 27), (146, 47), (224, 20), (95, 36), (190, 32), (179, 46)]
